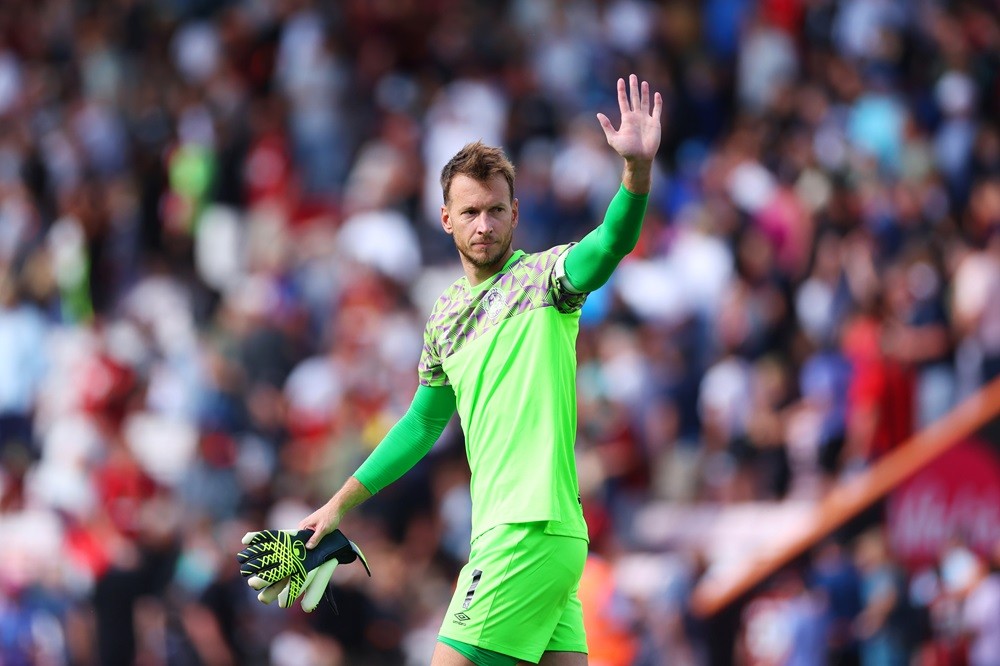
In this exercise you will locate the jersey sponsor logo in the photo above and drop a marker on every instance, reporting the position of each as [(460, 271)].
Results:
[(493, 303)]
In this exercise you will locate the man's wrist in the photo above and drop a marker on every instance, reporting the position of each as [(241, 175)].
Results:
[(637, 177), (351, 494), (336, 508)]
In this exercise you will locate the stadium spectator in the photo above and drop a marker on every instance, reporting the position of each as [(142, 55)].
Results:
[(207, 305)]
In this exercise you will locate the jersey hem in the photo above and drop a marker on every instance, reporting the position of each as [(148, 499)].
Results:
[(582, 533)]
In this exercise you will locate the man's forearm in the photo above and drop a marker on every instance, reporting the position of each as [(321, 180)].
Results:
[(404, 444), (350, 495), (638, 176), (326, 518), (590, 262), (410, 439)]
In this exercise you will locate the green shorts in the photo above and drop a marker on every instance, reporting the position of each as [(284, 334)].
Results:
[(518, 593)]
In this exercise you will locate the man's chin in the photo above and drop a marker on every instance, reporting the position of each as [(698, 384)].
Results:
[(487, 259), (484, 258)]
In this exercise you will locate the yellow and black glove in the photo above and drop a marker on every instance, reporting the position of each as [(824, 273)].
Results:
[(313, 590), (278, 565)]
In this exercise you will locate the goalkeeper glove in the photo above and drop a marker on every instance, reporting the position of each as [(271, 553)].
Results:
[(313, 590), (278, 564)]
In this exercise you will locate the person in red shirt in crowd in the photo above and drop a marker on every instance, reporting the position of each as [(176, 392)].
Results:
[(880, 398)]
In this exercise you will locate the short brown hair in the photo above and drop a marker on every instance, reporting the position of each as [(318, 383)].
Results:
[(479, 162)]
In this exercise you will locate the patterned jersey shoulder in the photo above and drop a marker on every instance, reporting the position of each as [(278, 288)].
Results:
[(461, 315), (547, 270), (448, 307)]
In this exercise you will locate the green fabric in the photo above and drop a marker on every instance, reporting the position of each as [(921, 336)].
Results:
[(464, 312), (410, 439), (520, 421), (191, 173), (75, 290), (478, 655), (519, 593), (508, 350), (591, 262)]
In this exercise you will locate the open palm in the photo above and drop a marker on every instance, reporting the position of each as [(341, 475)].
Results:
[(638, 137)]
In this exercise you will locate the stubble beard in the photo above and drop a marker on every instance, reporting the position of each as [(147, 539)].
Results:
[(491, 260)]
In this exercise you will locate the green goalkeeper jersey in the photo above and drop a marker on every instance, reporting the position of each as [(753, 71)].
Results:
[(507, 347), (503, 353)]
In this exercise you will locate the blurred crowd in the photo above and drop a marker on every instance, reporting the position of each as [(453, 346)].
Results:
[(219, 242)]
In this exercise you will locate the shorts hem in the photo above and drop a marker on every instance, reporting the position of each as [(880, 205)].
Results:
[(518, 653), (567, 648)]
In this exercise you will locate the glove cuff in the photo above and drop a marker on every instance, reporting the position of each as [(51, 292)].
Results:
[(332, 546)]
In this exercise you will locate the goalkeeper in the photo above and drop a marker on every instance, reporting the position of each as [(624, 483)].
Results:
[(500, 348)]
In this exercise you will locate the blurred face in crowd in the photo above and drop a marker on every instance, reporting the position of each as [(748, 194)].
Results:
[(481, 217)]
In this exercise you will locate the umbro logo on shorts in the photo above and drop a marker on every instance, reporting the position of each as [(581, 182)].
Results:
[(463, 617)]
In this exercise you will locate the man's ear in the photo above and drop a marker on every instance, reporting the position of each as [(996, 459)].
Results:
[(513, 214), (446, 220)]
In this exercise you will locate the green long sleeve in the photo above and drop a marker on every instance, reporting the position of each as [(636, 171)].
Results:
[(410, 439), (590, 263)]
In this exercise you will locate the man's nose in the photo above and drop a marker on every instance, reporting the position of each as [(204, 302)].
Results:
[(484, 224)]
